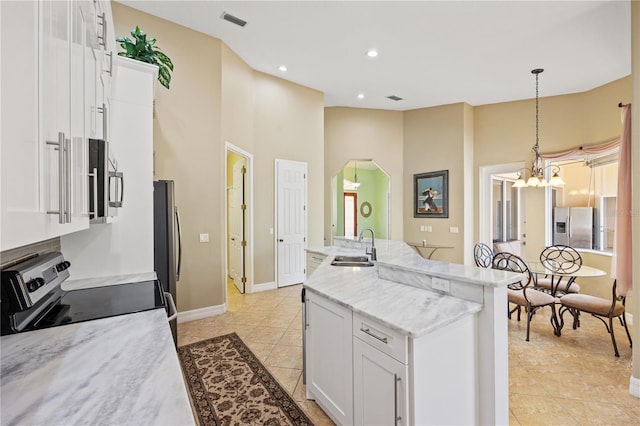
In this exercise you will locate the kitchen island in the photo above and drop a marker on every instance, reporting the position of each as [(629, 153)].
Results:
[(408, 340), (120, 370)]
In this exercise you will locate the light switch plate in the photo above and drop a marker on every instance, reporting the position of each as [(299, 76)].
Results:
[(453, 229), (204, 238)]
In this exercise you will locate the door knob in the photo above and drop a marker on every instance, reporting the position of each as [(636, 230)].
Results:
[(281, 240)]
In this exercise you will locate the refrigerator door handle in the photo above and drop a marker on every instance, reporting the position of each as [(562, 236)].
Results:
[(172, 306), (179, 267), (569, 228)]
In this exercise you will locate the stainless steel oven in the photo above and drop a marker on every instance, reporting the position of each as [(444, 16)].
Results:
[(32, 297), (106, 189)]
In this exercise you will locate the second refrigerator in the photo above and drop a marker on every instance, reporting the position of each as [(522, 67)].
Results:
[(574, 226)]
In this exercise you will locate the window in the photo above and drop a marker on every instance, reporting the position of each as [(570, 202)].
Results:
[(590, 182), (506, 207)]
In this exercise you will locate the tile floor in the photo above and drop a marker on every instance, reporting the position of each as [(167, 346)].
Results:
[(571, 380)]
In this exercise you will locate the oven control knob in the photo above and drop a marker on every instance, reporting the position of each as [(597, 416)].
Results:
[(35, 284), (62, 266)]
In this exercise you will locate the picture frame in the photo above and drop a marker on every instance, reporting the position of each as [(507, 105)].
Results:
[(431, 194)]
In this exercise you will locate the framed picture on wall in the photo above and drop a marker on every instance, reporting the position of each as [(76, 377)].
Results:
[(431, 194)]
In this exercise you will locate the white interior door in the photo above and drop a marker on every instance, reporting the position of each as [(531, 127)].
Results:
[(291, 221), (236, 228)]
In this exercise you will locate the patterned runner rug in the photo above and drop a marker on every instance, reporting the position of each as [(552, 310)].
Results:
[(229, 386)]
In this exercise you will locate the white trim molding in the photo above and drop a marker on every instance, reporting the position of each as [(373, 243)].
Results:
[(263, 287), (195, 314), (634, 387)]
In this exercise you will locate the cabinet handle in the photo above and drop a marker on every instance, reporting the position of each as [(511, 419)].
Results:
[(67, 150), (94, 212), (396, 417), (102, 21), (110, 69), (61, 174), (368, 331)]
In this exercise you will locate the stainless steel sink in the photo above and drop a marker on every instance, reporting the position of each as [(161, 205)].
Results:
[(351, 261)]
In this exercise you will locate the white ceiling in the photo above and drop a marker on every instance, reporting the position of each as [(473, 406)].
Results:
[(430, 52)]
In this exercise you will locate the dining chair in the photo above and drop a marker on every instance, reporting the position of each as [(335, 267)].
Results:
[(560, 258), (523, 294), (598, 307), (483, 255)]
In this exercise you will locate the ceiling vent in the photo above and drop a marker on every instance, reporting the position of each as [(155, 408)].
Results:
[(234, 20), (394, 98)]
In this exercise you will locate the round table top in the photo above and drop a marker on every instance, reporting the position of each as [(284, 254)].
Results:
[(585, 271)]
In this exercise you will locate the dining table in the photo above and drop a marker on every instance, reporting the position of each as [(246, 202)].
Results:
[(558, 276)]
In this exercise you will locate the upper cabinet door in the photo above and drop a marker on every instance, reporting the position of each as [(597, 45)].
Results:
[(24, 219), (55, 107)]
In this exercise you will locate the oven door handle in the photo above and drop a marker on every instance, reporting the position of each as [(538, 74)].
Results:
[(172, 306)]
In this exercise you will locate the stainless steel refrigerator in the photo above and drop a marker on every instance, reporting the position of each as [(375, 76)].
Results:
[(574, 226), (167, 247)]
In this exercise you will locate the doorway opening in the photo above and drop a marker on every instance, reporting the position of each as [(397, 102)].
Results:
[(239, 218), (360, 198)]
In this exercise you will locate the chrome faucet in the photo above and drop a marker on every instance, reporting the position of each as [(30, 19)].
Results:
[(371, 253)]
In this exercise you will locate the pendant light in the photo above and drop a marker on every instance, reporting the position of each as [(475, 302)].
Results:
[(536, 172), (356, 184)]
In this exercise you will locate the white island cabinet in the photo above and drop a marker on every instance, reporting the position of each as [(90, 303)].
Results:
[(397, 380), (329, 357), (428, 339)]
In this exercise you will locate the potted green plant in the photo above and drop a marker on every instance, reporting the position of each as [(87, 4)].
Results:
[(145, 50)]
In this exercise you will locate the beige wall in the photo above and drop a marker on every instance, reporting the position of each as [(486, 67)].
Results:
[(187, 148), (288, 126), (215, 97), (356, 133), (434, 139)]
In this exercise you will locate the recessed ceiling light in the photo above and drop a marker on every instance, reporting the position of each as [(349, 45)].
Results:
[(282, 68), (360, 95), (372, 53)]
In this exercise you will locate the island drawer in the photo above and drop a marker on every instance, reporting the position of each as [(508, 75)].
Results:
[(380, 337)]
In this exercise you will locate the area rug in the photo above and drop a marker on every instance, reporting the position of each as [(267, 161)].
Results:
[(230, 386)]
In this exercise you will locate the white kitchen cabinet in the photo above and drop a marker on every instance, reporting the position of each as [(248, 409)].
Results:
[(390, 378), (314, 259), (329, 355), (379, 387), (23, 217), (49, 96)]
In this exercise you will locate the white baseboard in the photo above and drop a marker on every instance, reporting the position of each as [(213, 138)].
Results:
[(263, 287), (634, 386), (196, 314), (629, 318)]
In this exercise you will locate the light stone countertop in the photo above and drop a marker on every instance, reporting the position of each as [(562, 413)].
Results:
[(397, 290), (120, 370)]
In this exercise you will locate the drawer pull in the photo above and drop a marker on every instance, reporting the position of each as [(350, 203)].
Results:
[(396, 417), (368, 331)]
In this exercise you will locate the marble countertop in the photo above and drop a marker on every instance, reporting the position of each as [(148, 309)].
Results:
[(120, 370), (397, 290)]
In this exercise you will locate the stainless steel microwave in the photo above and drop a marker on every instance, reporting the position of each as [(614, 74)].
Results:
[(106, 188)]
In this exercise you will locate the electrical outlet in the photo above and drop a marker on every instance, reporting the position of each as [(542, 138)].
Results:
[(204, 238), (440, 284), (453, 229)]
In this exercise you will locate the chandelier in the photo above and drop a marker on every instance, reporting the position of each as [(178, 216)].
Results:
[(536, 171)]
